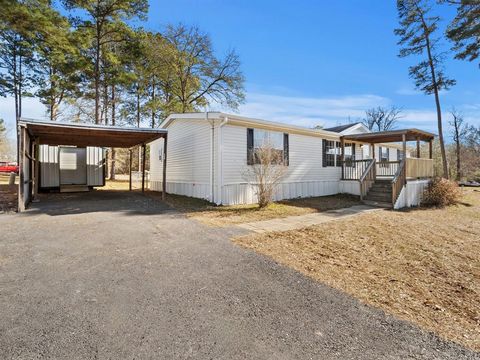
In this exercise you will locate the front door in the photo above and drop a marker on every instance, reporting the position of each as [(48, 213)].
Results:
[(73, 166)]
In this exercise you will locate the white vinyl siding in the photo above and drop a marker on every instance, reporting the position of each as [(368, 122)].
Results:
[(50, 168), (188, 159), (305, 175)]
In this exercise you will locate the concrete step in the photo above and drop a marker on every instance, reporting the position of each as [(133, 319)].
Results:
[(73, 188), (381, 204)]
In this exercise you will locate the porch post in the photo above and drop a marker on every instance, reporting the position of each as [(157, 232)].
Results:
[(342, 158), (404, 141), (130, 169), (418, 148), (373, 151), (164, 178), (144, 151), (430, 149)]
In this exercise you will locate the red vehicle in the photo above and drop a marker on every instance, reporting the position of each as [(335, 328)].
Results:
[(8, 167)]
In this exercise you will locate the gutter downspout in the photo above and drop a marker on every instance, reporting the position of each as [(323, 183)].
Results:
[(220, 161), (212, 157)]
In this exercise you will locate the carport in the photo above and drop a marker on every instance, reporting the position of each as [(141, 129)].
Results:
[(34, 133)]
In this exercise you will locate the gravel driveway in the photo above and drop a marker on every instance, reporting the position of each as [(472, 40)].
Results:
[(121, 276)]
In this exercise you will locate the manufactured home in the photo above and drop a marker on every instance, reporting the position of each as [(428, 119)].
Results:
[(208, 159)]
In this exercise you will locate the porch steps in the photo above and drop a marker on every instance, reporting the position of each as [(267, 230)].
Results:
[(380, 194)]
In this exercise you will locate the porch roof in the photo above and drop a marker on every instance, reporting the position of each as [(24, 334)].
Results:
[(391, 136)]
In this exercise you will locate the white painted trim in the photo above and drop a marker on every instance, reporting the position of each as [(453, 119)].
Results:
[(251, 122)]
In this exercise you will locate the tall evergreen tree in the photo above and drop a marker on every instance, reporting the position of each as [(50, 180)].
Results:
[(104, 21), (417, 38), (59, 64), (464, 30)]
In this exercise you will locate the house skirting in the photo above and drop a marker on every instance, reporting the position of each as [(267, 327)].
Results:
[(411, 194), (349, 187), (244, 193), (196, 190)]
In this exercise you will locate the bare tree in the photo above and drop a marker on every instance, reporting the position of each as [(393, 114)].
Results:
[(382, 118), (459, 134), (201, 76), (266, 173)]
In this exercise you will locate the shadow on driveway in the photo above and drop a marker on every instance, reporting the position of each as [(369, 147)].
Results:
[(129, 203)]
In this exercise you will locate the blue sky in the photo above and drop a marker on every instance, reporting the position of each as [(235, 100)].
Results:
[(315, 62)]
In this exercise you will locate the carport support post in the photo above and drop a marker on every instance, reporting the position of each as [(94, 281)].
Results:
[(130, 169), (164, 178), (21, 150), (144, 151), (418, 148), (430, 149), (36, 168)]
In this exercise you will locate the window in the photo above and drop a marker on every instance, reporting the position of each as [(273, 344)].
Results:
[(349, 153), (257, 139), (329, 153), (399, 154), (384, 153)]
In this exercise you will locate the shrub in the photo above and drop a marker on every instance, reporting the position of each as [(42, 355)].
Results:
[(441, 192)]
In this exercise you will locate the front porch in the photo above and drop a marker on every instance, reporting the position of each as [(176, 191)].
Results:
[(381, 180)]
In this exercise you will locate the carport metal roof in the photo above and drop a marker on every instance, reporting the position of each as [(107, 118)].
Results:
[(79, 134)]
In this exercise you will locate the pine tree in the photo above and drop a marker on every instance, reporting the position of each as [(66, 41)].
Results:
[(104, 22), (416, 32), (464, 30)]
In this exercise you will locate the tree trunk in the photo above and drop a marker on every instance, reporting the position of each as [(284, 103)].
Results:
[(15, 93), (20, 82), (153, 103), (437, 103), (138, 125), (112, 172), (97, 77), (457, 141)]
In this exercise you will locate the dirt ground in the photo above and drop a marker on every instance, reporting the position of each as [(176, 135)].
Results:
[(212, 215), (420, 265), (8, 195)]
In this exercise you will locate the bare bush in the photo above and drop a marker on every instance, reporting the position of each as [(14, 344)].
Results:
[(441, 192), (266, 173)]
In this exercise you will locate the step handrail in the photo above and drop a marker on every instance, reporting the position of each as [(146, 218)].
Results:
[(367, 178), (399, 180)]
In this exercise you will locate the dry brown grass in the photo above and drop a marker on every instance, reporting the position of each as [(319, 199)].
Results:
[(8, 194), (212, 215), (421, 265)]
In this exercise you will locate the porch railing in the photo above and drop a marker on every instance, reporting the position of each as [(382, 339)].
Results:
[(354, 169), (387, 168), (398, 181), (419, 168), (367, 178)]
